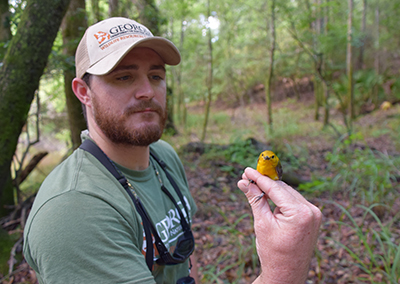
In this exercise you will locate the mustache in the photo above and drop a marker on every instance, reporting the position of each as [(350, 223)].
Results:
[(143, 105)]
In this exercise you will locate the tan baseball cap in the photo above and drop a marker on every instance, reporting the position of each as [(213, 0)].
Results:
[(106, 43)]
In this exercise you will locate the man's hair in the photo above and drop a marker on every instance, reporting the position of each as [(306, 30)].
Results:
[(86, 78)]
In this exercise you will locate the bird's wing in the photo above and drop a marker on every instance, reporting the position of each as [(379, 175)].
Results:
[(279, 170)]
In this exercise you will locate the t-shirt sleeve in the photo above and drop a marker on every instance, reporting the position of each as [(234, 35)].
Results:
[(78, 238)]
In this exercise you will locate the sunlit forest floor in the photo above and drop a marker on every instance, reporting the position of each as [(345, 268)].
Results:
[(354, 180)]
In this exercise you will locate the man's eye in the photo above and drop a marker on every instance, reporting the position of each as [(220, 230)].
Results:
[(123, 78), (157, 77)]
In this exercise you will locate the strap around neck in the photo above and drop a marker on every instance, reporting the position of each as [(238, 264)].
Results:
[(91, 147), (163, 165)]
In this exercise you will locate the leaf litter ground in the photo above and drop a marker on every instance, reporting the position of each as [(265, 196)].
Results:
[(225, 237)]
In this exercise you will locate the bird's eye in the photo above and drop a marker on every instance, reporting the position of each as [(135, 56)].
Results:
[(272, 156)]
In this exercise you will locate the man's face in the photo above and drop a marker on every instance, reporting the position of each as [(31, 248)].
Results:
[(129, 104)]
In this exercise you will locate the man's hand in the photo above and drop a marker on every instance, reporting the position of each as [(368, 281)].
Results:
[(287, 236)]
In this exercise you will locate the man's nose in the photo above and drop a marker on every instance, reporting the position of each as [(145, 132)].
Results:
[(145, 90)]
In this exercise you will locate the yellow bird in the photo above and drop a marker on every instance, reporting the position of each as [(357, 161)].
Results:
[(268, 164)]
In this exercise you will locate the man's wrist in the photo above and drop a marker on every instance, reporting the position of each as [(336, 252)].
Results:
[(284, 277)]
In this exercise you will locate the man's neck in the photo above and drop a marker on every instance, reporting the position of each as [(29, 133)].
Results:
[(132, 157)]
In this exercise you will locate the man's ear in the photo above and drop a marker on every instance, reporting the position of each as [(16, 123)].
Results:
[(81, 89)]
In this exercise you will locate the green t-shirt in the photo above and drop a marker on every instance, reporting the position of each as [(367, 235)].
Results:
[(84, 228)]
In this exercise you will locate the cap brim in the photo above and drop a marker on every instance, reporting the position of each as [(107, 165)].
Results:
[(165, 48)]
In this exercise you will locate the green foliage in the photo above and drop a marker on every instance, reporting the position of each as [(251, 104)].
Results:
[(315, 187), (293, 157), (396, 90), (237, 155), (58, 62), (245, 251), (360, 171), (367, 89), (367, 85), (376, 245), (286, 123), (16, 9), (241, 152), (97, 13), (53, 107)]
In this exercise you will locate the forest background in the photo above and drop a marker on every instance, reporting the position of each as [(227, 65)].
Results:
[(317, 81)]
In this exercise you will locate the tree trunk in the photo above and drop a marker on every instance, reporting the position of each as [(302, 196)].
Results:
[(96, 10), (169, 125), (321, 65), (73, 26), (295, 75), (309, 12), (181, 105), (377, 62), (326, 93), (319, 17), (271, 68), (363, 39), (326, 103), (113, 8), (349, 62), (317, 97), (327, 18), (210, 77), (118, 8), (5, 32), (22, 68), (148, 15)]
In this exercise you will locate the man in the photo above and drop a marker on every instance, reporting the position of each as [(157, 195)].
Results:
[(87, 226)]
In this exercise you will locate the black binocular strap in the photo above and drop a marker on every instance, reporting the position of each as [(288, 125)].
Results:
[(93, 149), (174, 185)]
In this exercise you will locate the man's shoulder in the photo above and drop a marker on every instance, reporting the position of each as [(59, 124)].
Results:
[(80, 172), (162, 145), (79, 166), (164, 150), (81, 175)]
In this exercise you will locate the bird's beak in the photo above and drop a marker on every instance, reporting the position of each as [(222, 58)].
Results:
[(266, 158)]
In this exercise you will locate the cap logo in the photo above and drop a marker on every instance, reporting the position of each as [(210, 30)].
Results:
[(101, 36), (121, 32)]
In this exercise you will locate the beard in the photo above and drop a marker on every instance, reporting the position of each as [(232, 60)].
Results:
[(119, 131)]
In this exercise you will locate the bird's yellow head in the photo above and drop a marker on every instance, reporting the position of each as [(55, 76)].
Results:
[(269, 157)]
